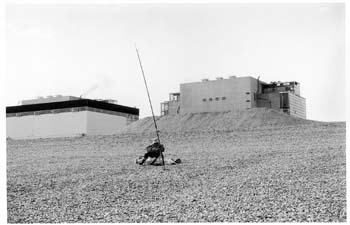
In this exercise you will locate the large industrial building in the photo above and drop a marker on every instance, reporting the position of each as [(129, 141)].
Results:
[(66, 116), (235, 93)]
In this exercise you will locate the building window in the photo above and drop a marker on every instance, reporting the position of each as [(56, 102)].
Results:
[(204, 99), (248, 101), (217, 98), (210, 99), (223, 98)]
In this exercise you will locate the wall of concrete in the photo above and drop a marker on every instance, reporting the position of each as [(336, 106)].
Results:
[(253, 91), (104, 124), (46, 125), (227, 94), (174, 107), (297, 106), (269, 100)]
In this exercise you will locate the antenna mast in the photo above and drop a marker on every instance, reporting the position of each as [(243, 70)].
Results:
[(150, 103)]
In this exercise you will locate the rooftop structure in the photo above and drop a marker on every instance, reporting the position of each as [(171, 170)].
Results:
[(50, 98)]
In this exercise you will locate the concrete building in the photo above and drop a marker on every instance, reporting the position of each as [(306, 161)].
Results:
[(66, 117), (235, 93), (172, 106)]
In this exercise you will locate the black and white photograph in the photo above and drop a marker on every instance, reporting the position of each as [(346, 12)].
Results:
[(164, 112)]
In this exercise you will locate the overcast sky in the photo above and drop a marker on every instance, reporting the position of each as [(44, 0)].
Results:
[(69, 49)]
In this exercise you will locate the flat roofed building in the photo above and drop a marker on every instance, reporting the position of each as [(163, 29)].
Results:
[(172, 106), (67, 118), (236, 93)]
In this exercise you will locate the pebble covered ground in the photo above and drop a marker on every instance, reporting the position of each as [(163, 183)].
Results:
[(227, 121), (271, 173)]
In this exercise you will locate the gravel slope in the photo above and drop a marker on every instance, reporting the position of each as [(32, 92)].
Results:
[(266, 173), (228, 121)]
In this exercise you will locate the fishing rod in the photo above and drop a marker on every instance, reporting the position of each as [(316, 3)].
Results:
[(150, 103)]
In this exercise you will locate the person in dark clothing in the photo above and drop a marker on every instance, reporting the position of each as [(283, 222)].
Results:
[(153, 151)]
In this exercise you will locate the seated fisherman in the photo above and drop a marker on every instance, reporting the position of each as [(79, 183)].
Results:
[(153, 151)]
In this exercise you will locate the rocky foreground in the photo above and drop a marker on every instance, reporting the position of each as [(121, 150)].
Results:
[(261, 171)]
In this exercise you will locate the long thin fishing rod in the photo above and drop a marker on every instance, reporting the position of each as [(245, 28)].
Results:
[(150, 103)]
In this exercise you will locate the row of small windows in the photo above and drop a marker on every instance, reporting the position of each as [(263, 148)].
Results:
[(217, 99), (211, 99), (224, 98)]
